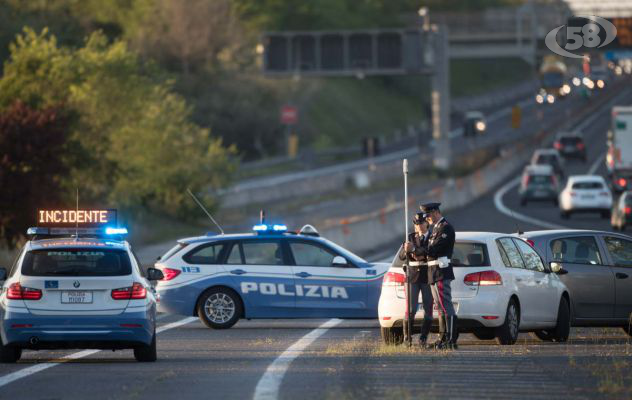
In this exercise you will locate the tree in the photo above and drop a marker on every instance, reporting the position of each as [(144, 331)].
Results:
[(136, 144), (33, 143)]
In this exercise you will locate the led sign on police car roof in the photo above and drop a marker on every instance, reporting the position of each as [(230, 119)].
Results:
[(76, 217)]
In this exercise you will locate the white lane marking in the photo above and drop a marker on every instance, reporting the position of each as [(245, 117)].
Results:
[(500, 206), (23, 373), (595, 165), (269, 384)]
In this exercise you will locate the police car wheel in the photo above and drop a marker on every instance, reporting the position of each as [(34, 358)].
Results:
[(147, 353), (394, 335), (507, 333), (219, 308), (9, 354)]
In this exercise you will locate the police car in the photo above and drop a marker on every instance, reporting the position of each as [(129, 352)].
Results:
[(77, 288), (269, 273)]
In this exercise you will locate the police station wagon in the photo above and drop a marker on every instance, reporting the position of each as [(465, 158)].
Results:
[(270, 273), (77, 288)]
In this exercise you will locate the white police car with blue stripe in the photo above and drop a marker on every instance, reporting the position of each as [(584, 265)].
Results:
[(270, 273), (77, 288)]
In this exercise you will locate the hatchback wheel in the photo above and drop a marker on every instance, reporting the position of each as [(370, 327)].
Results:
[(392, 335), (563, 328), (219, 308), (9, 354), (507, 333)]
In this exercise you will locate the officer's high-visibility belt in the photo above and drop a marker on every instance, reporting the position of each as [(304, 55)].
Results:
[(417, 263), (444, 260)]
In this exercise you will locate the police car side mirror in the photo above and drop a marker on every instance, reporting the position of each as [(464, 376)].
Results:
[(3, 274), (339, 261), (154, 274)]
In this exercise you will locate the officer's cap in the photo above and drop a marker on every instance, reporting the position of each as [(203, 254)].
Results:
[(428, 207)]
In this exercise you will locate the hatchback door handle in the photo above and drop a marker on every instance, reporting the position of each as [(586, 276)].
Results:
[(303, 274), (621, 275), (537, 281), (238, 272), (518, 279)]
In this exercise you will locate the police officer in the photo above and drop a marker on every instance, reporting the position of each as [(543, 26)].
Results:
[(415, 249), (440, 274)]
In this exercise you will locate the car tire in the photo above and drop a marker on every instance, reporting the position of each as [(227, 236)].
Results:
[(219, 308), (8, 354), (628, 328), (484, 334), (393, 335), (147, 353), (507, 333), (562, 329)]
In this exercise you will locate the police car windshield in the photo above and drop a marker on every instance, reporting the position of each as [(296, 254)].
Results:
[(76, 262)]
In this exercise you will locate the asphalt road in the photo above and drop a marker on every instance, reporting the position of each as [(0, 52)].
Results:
[(323, 359)]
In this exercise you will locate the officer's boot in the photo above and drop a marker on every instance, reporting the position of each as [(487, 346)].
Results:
[(451, 334), (442, 333), (425, 330)]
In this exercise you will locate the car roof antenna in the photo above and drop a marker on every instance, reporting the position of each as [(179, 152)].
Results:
[(205, 211), (519, 232)]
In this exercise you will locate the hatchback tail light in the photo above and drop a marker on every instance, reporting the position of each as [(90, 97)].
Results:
[(557, 145), (627, 210), (525, 180), (622, 182), (19, 292), (170, 273), (580, 146), (483, 278), (394, 279), (135, 292)]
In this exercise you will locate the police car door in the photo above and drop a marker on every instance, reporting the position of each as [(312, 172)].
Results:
[(324, 289), (263, 276)]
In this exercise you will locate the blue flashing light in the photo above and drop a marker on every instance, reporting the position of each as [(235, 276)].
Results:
[(269, 228), (37, 231), (116, 231)]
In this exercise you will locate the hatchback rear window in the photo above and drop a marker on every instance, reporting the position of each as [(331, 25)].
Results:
[(587, 185), (470, 255), (569, 141), (546, 159), (540, 179), (76, 262)]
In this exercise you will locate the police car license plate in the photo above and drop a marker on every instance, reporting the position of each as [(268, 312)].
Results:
[(76, 296)]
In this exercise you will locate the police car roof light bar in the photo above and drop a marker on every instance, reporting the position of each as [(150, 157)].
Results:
[(205, 211)]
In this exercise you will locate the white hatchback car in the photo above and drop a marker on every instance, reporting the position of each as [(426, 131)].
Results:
[(501, 288), (585, 193)]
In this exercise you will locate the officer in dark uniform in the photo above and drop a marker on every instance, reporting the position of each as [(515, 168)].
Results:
[(415, 249), (440, 274)]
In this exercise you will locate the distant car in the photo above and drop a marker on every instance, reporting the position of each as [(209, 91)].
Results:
[(622, 212), (269, 273), (597, 270), (585, 193), (549, 157), (77, 292), (501, 287), (474, 123), (570, 145), (539, 182)]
